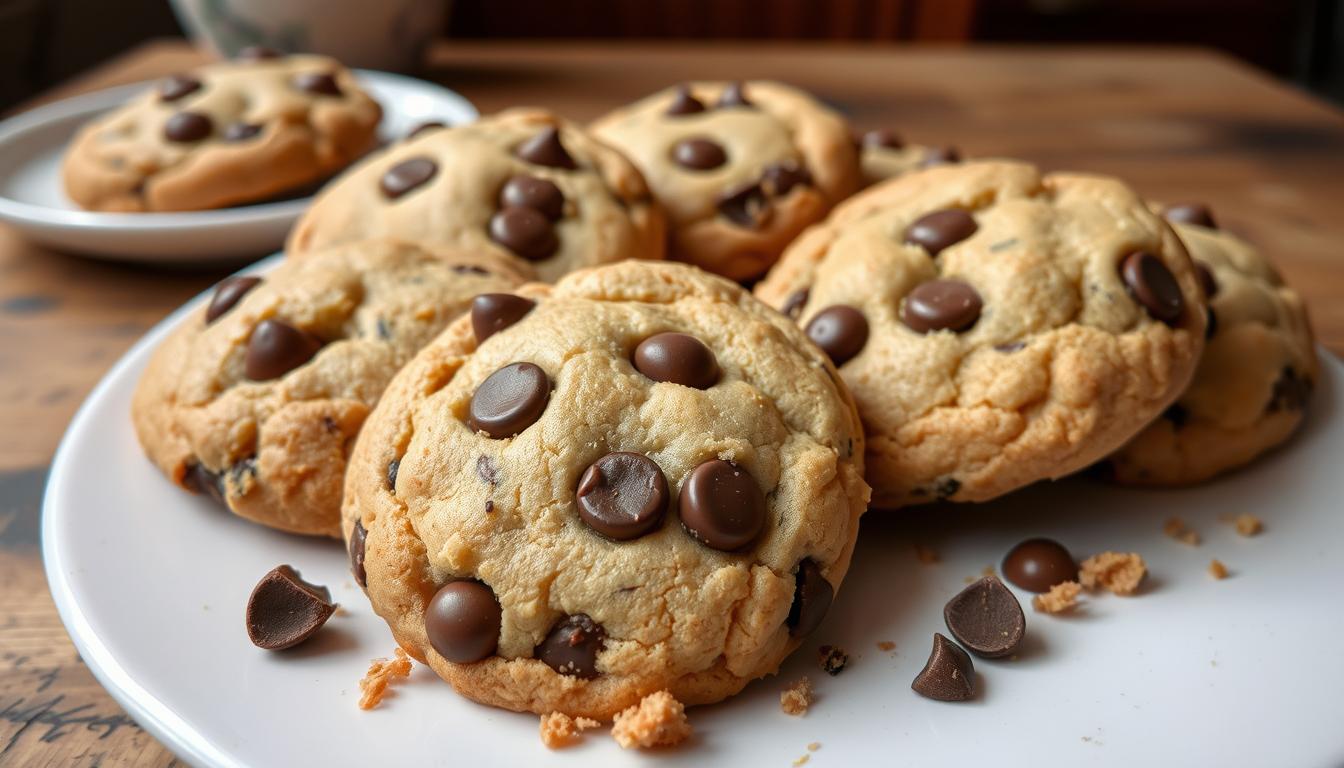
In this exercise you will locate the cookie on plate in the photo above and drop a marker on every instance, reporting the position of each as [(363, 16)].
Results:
[(883, 155), (228, 133), (997, 326), (254, 399), (639, 479), (523, 184), (1254, 378), (741, 168)]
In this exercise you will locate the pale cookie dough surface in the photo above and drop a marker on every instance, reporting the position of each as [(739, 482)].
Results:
[(294, 137), (1253, 380), (782, 128), (607, 213), (677, 615), (1060, 367), (274, 451)]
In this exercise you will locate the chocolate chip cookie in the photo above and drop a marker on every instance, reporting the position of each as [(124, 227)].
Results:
[(229, 133), (255, 398), (741, 168), (524, 184), (640, 479), (997, 326), (883, 155), (1257, 371)]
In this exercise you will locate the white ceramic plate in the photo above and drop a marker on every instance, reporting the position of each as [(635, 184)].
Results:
[(152, 584), (33, 200)]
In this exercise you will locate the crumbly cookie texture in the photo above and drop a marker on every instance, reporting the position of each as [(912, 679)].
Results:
[(659, 720), (1248, 524), (559, 730), (695, 563), (225, 134), (1061, 597), (741, 168), (982, 317), (797, 698), (1117, 572), (523, 184), (1254, 379), (373, 687), (257, 407)]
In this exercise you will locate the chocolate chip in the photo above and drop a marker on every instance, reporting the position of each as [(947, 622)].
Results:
[(240, 131), (358, 540), (622, 495), (684, 103), (227, 293), (940, 156), (469, 269), (1177, 415), (510, 400), (276, 348), (1151, 284), (1206, 279), (881, 138), (1291, 391), (698, 154), (940, 229), (258, 53), (493, 312), (840, 330), (1198, 214), (428, 125), (317, 83), (1211, 323), (948, 675), (175, 87), (1010, 347), (545, 149), (793, 305), (526, 232), (812, 598), (199, 479), (677, 358), (406, 176), (779, 179), (735, 95), (745, 205), (572, 646), (186, 127), (284, 610), (486, 470), (721, 506), (393, 469), (941, 305), (946, 487), (462, 621), (833, 660), (532, 192), (986, 619), (1036, 565)]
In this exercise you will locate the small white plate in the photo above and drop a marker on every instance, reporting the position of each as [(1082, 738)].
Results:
[(32, 198), (152, 584)]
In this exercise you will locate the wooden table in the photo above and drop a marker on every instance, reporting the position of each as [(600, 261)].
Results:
[(1179, 124)]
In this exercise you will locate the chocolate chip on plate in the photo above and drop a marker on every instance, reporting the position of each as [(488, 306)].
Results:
[(276, 348), (677, 358), (284, 610), (531, 192), (1152, 285), (939, 230), (493, 312), (948, 675), (684, 103), (812, 598), (699, 154), (840, 330), (510, 400), (240, 131), (745, 205), (545, 149), (228, 293), (317, 83), (462, 621), (721, 506), (735, 95), (1038, 564), (986, 619), (406, 176), (1198, 214), (174, 87), (622, 495), (186, 127), (525, 231), (941, 305), (358, 540), (572, 646)]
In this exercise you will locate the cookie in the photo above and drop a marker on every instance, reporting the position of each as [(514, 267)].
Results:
[(996, 325), (254, 399), (642, 479), (883, 155), (523, 184), (1257, 371), (741, 168), (226, 134)]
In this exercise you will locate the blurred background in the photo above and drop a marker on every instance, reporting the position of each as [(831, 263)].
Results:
[(43, 42)]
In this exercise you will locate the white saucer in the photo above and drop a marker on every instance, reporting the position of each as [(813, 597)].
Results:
[(152, 582), (32, 199)]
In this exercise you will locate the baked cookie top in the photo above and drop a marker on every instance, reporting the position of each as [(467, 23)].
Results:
[(741, 168), (1254, 378), (640, 479), (254, 399), (997, 326), (883, 155), (523, 184), (228, 133)]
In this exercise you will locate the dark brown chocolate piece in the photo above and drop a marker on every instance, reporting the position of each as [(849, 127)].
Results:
[(1038, 564), (986, 619), (284, 610), (949, 674)]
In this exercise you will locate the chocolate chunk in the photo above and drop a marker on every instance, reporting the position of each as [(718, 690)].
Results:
[(493, 312), (881, 138), (284, 610), (317, 83), (258, 53), (406, 176), (779, 179), (186, 127), (735, 95), (393, 469), (745, 205), (793, 305), (1198, 214), (526, 232), (358, 540), (510, 400), (240, 131), (812, 598), (175, 87), (833, 659), (199, 479), (986, 619), (940, 156), (572, 646), (1291, 391), (940, 229), (276, 348), (545, 149), (684, 103), (622, 495), (428, 125), (721, 506), (941, 305), (840, 330), (1036, 565), (677, 358), (462, 621), (698, 154), (1152, 285), (948, 675), (532, 192), (227, 293), (1206, 279), (946, 487)]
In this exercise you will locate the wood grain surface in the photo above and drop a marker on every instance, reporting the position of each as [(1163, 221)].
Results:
[(1179, 124)]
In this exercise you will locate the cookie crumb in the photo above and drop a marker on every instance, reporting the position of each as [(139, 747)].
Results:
[(801, 760), (795, 699), (1217, 570), (926, 554), (1176, 528), (886, 646), (814, 746), (832, 659), (380, 674), (658, 720), (1061, 597), (1116, 571), (559, 730), (1248, 524)]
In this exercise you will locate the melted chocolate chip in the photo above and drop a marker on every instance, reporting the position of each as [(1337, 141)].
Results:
[(677, 358), (526, 232), (1198, 214), (317, 83), (510, 400), (228, 293), (572, 646), (393, 469), (199, 479), (779, 179), (1036, 565), (462, 621), (493, 312), (986, 619), (684, 103), (721, 506), (941, 305), (236, 132), (545, 149), (186, 127), (487, 470), (406, 176), (840, 330), (812, 598), (745, 205), (276, 348), (940, 230), (698, 154), (793, 305), (948, 675), (532, 192), (1153, 286), (622, 495), (175, 87), (284, 610), (735, 95), (358, 540), (1291, 391)]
